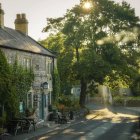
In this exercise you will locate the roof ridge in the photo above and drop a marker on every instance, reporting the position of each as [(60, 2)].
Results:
[(18, 40)]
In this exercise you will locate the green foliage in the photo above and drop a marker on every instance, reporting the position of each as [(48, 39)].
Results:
[(15, 82), (65, 100), (21, 79), (29, 112), (66, 103), (2, 119), (126, 101), (56, 85), (64, 60), (97, 44), (6, 90), (136, 86), (4, 79)]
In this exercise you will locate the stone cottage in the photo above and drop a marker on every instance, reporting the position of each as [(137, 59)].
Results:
[(30, 54)]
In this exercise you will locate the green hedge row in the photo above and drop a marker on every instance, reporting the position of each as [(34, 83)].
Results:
[(126, 101)]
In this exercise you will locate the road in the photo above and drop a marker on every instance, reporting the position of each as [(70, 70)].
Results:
[(94, 129)]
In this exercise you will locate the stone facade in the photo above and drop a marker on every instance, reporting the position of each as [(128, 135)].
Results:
[(42, 67), (30, 54)]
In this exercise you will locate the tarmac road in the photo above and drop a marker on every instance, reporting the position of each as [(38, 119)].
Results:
[(103, 124), (102, 129)]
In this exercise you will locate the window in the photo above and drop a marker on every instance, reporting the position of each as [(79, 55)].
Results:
[(49, 98), (35, 103), (49, 66), (37, 67), (10, 60), (27, 63), (29, 100)]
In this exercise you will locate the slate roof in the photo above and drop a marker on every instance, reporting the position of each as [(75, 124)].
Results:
[(10, 38)]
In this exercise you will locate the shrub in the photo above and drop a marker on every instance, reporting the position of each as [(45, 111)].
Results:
[(128, 101), (3, 120)]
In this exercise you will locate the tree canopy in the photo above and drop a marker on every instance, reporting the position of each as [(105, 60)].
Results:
[(103, 42)]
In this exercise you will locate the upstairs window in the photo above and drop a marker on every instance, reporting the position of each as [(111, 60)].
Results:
[(27, 63), (10, 60), (29, 100), (37, 67), (49, 66)]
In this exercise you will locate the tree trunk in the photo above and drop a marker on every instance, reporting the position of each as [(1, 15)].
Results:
[(83, 93), (77, 54)]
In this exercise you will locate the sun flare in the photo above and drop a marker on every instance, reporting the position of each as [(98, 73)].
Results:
[(87, 5)]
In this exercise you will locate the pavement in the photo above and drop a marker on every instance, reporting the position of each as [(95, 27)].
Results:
[(48, 126), (44, 128), (41, 129)]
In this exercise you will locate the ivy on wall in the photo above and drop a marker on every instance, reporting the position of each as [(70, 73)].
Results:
[(56, 85), (15, 82)]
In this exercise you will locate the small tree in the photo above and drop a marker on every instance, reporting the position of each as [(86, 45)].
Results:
[(4, 77), (56, 85), (64, 59), (21, 81), (15, 82), (5, 86)]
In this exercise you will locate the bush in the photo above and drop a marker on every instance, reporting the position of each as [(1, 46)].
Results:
[(67, 103), (2, 130), (29, 112), (3, 120), (126, 101)]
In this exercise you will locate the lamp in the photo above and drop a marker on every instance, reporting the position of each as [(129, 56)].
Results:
[(44, 85)]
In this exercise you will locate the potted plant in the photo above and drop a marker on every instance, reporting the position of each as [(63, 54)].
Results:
[(29, 112)]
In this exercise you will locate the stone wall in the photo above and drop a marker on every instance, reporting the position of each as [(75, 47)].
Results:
[(39, 64)]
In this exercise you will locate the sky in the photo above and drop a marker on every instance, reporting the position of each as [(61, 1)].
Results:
[(37, 11)]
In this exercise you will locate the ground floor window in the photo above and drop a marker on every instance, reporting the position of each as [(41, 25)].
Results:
[(29, 100), (35, 101), (49, 98)]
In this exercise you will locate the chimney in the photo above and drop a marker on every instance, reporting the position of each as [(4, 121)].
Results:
[(1, 17), (21, 23)]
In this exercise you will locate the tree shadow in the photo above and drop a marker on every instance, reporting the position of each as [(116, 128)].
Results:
[(124, 110), (101, 129)]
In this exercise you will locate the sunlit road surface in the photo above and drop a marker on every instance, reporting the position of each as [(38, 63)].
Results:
[(106, 126)]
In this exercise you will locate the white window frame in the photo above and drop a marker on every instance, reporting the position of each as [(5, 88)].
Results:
[(27, 63), (48, 65)]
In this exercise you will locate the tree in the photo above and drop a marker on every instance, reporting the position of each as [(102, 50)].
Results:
[(7, 92), (4, 79), (56, 85), (101, 52), (136, 86), (15, 82), (64, 59), (22, 79)]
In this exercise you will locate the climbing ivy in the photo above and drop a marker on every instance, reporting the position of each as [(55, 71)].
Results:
[(56, 85), (15, 82)]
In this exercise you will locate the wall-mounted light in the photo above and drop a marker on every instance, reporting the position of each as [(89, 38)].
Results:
[(44, 85)]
